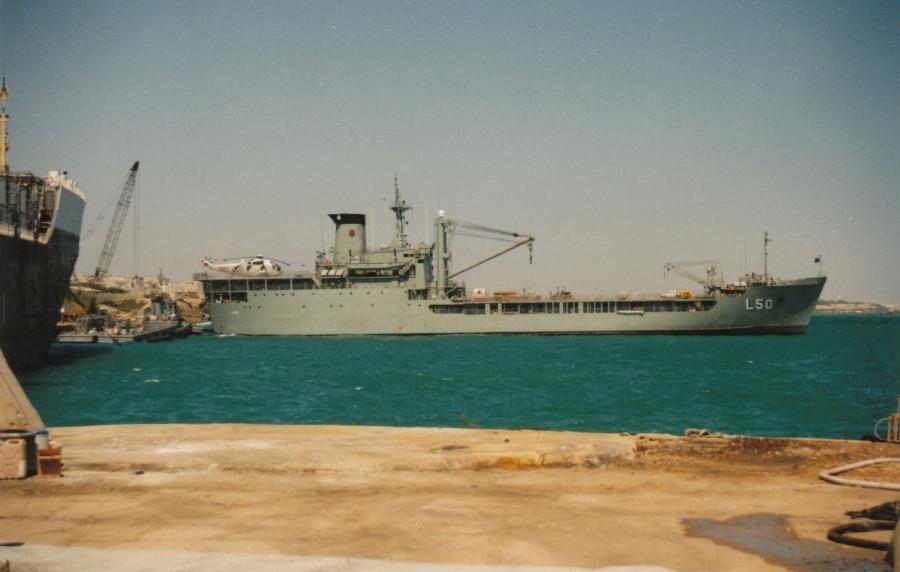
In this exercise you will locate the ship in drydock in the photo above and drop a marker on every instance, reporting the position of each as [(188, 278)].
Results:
[(40, 228), (406, 289)]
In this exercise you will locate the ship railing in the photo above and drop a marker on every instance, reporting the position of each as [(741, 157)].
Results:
[(26, 205)]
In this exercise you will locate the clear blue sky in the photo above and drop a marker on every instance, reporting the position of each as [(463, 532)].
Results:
[(621, 134)]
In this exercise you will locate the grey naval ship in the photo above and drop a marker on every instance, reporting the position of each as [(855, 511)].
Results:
[(405, 289), (40, 226)]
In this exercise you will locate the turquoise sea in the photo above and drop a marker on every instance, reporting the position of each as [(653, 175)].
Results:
[(835, 381)]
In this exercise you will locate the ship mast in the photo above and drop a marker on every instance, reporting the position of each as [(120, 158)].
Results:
[(4, 134), (766, 241), (399, 207)]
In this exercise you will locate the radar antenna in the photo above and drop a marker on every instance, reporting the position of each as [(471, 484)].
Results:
[(400, 207)]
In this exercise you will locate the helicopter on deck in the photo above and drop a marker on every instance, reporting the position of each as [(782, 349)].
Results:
[(246, 266)]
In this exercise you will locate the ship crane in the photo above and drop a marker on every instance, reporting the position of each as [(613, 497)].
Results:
[(115, 225), (460, 228), (446, 226), (713, 280)]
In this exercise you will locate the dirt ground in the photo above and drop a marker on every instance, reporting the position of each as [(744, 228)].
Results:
[(447, 496)]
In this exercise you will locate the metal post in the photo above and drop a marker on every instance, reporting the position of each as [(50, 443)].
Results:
[(4, 133), (440, 246)]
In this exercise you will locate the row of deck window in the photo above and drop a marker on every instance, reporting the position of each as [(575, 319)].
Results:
[(229, 297), (609, 307), (258, 284), (224, 291), (534, 307)]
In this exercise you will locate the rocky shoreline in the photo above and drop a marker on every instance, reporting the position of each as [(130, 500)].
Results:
[(842, 307)]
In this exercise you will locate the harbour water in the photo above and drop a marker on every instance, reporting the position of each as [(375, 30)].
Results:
[(835, 381)]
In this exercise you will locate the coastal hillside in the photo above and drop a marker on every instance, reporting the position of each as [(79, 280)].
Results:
[(127, 297), (845, 307)]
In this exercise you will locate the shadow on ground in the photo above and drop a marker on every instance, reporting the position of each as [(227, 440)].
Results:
[(770, 536)]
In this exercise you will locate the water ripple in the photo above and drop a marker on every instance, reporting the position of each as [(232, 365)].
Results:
[(833, 382)]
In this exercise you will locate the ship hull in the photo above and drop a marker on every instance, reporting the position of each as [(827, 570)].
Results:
[(35, 269), (782, 308)]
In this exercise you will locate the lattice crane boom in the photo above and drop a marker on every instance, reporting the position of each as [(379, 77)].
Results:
[(115, 225)]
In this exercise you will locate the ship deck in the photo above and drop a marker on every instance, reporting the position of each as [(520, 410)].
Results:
[(262, 283)]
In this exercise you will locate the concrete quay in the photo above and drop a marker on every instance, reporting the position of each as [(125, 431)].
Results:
[(283, 497)]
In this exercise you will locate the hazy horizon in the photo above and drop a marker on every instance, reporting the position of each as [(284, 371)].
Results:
[(620, 135)]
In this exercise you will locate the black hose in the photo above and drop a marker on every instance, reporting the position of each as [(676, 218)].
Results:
[(838, 534)]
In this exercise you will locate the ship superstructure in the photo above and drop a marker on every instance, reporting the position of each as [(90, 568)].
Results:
[(405, 289), (40, 228)]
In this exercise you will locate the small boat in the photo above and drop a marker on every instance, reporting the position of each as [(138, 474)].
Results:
[(202, 327)]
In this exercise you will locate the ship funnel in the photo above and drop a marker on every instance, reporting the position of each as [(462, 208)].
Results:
[(349, 237)]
